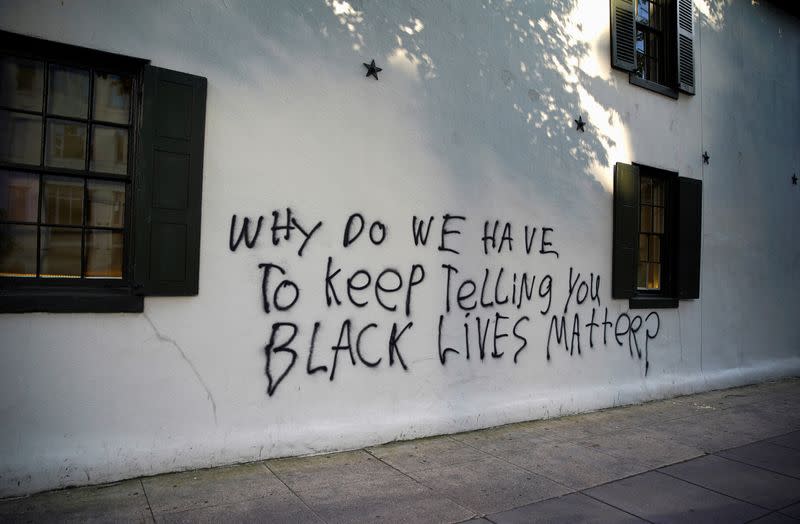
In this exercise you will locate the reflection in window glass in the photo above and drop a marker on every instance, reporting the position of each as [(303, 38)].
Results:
[(109, 150), (106, 203), (19, 196), (20, 138), (60, 252), (21, 83), (17, 250), (103, 254), (68, 92), (66, 144), (112, 98), (62, 201)]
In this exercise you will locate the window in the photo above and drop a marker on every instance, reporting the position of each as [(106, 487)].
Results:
[(81, 133), (656, 252), (654, 41)]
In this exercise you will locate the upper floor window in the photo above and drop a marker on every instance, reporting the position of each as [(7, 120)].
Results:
[(654, 41)]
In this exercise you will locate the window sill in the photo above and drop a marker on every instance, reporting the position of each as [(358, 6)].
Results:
[(644, 302), (66, 300), (652, 86)]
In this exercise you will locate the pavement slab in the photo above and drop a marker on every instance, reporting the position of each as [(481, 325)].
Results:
[(767, 455), (573, 465), (120, 502), (574, 507), (426, 453), (212, 487), (738, 480), (399, 499), (489, 485), (657, 497), (790, 440), (651, 448)]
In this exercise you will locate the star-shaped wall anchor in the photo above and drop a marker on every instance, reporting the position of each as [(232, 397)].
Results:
[(580, 124), (794, 179), (372, 69), (706, 158)]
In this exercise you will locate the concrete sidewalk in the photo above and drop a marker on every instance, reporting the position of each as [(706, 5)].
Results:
[(728, 456)]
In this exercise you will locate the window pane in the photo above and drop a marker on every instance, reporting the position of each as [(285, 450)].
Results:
[(654, 276), (19, 196), (112, 98), (103, 254), (21, 83), (20, 138), (641, 277), (66, 144), (642, 12), (68, 93), (646, 190), (60, 252), (645, 223), (658, 192), (655, 248), (106, 203), (17, 251), (658, 220), (62, 201), (642, 248), (109, 150)]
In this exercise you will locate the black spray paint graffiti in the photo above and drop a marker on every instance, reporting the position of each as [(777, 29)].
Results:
[(487, 316)]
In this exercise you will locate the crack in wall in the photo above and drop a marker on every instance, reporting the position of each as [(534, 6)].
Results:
[(168, 340)]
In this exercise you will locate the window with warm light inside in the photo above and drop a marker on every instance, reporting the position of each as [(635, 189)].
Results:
[(65, 160), (656, 244), (81, 132)]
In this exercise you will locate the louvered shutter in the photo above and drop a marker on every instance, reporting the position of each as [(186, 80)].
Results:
[(623, 35), (685, 42)]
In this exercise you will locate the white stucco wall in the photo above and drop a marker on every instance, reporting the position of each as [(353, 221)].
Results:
[(472, 115)]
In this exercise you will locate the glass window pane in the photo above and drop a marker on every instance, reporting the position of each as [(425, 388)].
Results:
[(106, 203), (658, 220), (658, 192), (66, 144), (109, 150), (643, 248), (646, 190), (60, 252), (20, 138), (17, 251), (21, 83), (19, 196), (62, 201), (645, 223), (68, 93), (654, 276), (655, 248), (112, 98), (642, 12), (641, 277), (103, 254)]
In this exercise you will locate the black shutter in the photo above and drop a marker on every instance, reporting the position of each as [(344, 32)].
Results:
[(685, 47), (623, 35), (690, 202), (626, 230), (168, 183)]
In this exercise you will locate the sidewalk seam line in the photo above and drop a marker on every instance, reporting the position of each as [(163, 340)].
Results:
[(266, 466), (147, 499)]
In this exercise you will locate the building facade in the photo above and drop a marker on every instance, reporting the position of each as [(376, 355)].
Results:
[(229, 235)]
